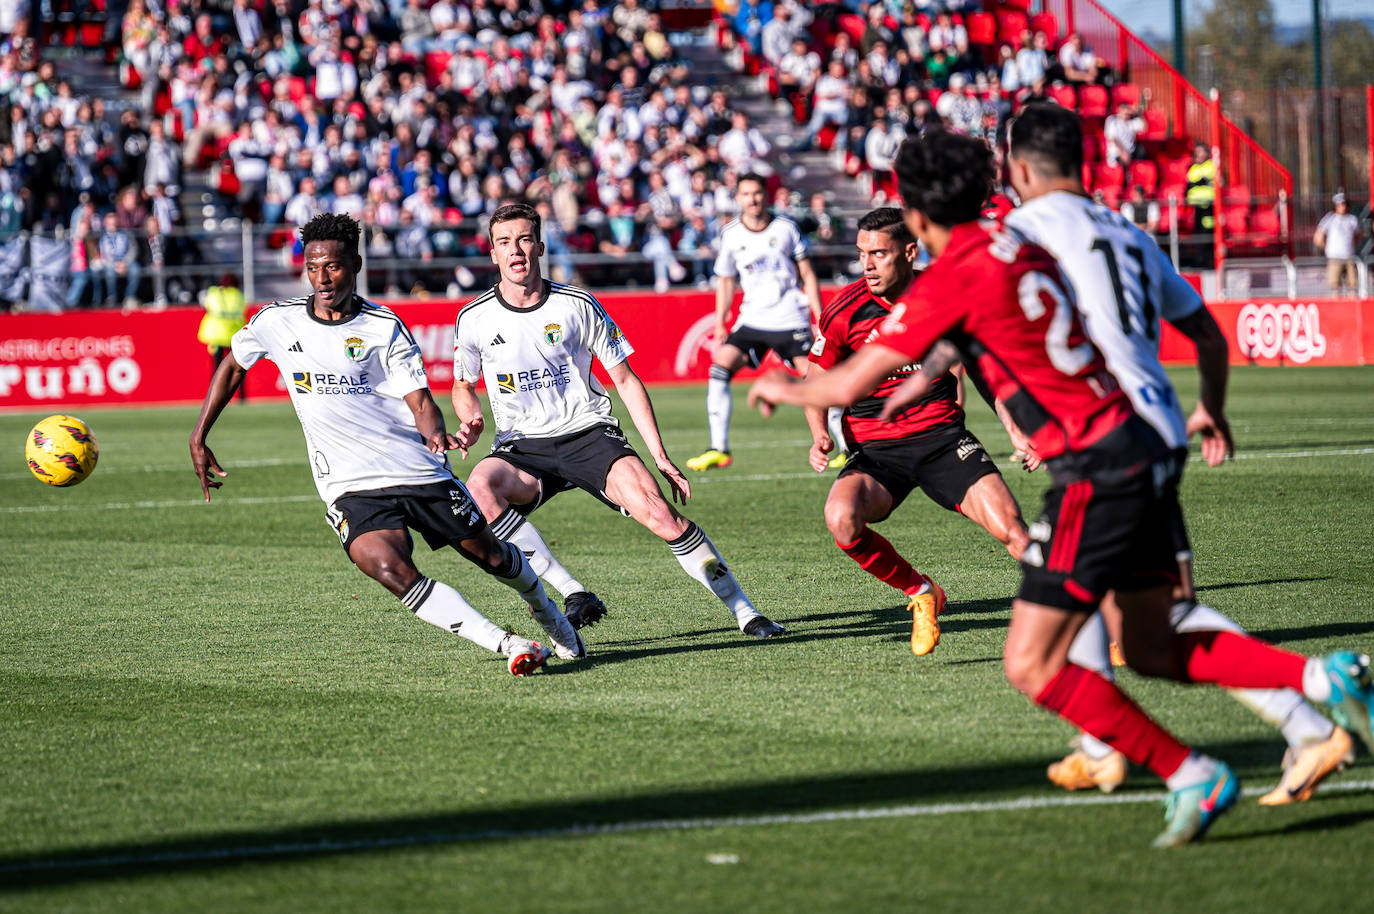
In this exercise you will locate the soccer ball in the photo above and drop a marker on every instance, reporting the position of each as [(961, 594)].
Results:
[(61, 450)]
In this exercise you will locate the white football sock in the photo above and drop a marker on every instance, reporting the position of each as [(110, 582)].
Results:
[(1298, 721), (698, 557), (1315, 686), (834, 425), (441, 605), (1196, 769), (526, 583), (1093, 747), (718, 406), (513, 527)]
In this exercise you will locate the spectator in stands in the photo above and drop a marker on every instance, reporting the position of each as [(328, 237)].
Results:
[(876, 29), (1077, 63), (1140, 210), (224, 306), (743, 147), (799, 69), (880, 154), (119, 262), (1032, 60), (947, 36), (85, 261), (412, 244), (912, 36), (1201, 191), (777, 35), (960, 108), (1120, 131), (1338, 234), (697, 246)]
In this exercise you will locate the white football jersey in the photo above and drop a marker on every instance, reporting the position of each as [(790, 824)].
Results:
[(537, 362), (347, 382), (766, 264), (1123, 284)]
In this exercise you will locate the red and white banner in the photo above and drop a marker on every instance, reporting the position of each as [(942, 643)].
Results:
[(89, 357)]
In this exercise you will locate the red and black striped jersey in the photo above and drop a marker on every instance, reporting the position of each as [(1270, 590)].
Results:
[(852, 319), (1010, 312)]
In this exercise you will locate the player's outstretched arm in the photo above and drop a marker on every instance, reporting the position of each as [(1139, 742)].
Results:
[(223, 385), (842, 385), (641, 410), (1213, 367), (942, 357), (429, 422), (467, 410)]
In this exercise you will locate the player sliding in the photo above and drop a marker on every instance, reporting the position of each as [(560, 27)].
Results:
[(768, 258), (1106, 523), (533, 342), (1123, 285), (376, 442), (925, 445)]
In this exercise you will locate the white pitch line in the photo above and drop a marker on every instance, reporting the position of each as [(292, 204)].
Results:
[(308, 848), (704, 480)]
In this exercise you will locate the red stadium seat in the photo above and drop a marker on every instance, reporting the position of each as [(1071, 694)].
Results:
[(1125, 94), (1088, 175), (1105, 176), (1238, 194), (1111, 196), (1146, 174), (982, 29), (1185, 218), (1265, 221), (1236, 218), (1156, 125), (1174, 171), (1092, 148), (852, 24), (1063, 94), (826, 137), (1010, 25), (1047, 23), (435, 63), (1092, 101), (1022, 5)]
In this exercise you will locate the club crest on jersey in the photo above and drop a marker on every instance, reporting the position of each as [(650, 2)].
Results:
[(302, 381), (353, 348), (553, 333), (506, 382)]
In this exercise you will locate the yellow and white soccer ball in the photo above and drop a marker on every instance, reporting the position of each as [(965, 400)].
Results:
[(61, 450)]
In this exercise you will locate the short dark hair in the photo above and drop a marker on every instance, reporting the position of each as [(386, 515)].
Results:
[(1050, 137), (946, 176), (752, 176), (513, 211), (339, 227), (889, 221)]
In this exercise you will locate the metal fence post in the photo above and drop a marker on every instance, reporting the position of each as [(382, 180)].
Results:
[(1173, 230)]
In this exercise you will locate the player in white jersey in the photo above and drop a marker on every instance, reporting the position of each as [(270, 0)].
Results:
[(532, 342), (1124, 285), (376, 443), (768, 259)]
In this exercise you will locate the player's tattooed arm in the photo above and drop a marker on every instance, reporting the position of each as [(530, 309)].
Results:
[(942, 357), (641, 410), (467, 411), (225, 383), (429, 422), (842, 385)]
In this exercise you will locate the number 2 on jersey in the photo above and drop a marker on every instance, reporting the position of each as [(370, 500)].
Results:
[(1123, 311)]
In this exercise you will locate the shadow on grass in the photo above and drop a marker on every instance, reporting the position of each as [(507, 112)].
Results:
[(1330, 630), (733, 805)]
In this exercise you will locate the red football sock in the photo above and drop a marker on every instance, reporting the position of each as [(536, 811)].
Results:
[(1094, 704), (1234, 660), (879, 558)]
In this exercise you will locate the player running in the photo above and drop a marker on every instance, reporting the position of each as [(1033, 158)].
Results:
[(925, 446), (781, 301), (1106, 523), (533, 342), (377, 445), (1123, 285)]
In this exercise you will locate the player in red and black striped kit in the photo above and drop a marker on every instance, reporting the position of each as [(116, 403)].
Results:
[(1106, 520), (925, 446)]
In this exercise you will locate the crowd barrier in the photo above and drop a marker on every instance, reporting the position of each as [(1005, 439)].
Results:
[(81, 358)]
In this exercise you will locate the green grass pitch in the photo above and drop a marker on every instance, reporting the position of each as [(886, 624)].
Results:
[(208, 706)]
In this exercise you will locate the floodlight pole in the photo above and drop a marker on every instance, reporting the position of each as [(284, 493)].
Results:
[(1321, 103), (1180, 52)]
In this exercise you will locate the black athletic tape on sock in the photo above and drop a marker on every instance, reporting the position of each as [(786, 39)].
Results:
[(514, 558), (691, 538), (506, 523), (721, 373), (418, 593)]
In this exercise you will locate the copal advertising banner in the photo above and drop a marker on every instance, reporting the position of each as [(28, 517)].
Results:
[(104, 357)]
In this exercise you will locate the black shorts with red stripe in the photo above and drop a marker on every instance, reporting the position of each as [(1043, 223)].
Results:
[(1110, 522)]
